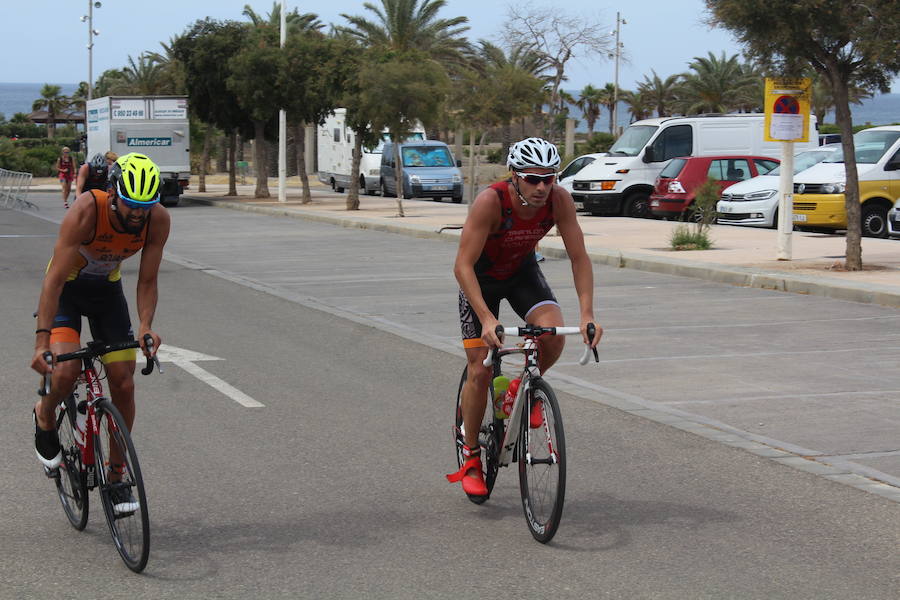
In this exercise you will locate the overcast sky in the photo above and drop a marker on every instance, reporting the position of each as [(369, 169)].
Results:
[(48, 45)]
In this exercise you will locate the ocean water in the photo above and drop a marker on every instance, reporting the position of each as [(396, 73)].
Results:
[(883, 109), (19, 97)]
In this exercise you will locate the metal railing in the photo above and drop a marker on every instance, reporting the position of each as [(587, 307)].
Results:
[(14, 189)]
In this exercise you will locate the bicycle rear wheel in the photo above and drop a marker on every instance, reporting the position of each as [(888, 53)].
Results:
[(542, 464), (122, 488), (71, 484), (490, 436)]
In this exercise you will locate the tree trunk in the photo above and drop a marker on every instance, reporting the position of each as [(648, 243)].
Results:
[(259, 157), (506, 141), (204, 157), (306, 197), (353, 192), (232, 163), (844, 120)]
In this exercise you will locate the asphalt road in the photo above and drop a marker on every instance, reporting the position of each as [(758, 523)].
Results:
[(335, 489)]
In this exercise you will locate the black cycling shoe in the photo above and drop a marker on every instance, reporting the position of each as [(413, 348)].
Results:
[(123, 501), (46, 446)]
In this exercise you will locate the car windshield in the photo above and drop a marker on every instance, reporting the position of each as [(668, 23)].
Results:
[(426, 156), (870, 146), (805, 160), (633, 140)]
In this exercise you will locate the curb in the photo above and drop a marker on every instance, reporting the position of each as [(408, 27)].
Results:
[(739, 276)]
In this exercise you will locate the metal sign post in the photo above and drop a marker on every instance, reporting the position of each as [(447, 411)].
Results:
[(787, 103)]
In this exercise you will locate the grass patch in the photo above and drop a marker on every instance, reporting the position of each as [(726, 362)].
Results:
[(685, 237)]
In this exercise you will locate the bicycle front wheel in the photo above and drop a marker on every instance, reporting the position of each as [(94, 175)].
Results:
[(490, 435), (542, 462), (122, 487), (71, 484)]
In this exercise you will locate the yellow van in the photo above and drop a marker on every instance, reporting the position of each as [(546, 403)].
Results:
[(819, 190)]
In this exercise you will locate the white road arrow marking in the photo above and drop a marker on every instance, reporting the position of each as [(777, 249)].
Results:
[(186, 359)]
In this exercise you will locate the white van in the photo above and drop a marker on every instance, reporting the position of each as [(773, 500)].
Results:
[(334, 147), (621, 181)]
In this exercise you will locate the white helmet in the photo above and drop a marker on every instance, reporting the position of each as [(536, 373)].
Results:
[(533, 152)]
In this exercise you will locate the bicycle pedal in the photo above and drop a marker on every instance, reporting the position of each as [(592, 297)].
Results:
[(91, 478)]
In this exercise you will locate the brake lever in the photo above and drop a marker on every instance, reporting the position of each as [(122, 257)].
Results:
[(44, 390), (152, 358)]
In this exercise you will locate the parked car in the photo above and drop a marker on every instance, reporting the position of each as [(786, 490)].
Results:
[(674, 191), (829, 138), (894, 220), (755, 202), (429, 171), (567, 176)]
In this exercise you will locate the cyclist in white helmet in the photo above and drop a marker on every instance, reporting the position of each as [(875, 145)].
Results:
[(496, 260)]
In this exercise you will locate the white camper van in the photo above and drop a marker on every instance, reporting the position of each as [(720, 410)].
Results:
[(620, 183), (334, 145)]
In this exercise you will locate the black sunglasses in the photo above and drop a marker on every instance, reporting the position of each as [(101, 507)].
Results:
[(534, 178)]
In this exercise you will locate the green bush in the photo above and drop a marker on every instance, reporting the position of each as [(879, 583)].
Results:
[(684, 238), (496, 156), (701, 214)]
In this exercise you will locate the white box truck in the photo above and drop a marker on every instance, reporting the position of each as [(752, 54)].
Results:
[(153, 125), (620, 181), (334, 148)]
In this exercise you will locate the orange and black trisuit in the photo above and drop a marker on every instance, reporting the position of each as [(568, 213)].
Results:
[(94, 287), (507, 267)]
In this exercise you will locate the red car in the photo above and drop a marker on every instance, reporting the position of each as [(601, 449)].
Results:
[(673, 193)]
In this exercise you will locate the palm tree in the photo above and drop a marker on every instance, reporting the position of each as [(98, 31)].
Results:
[(53, 103), (171, 69), (293, 20), (717, 85), (661, 93), (589, 101), (144, 77), (638, 104), (606, 97), (412, 25), (823, 100)]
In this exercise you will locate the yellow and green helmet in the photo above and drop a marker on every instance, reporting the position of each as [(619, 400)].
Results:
[(136, 178)]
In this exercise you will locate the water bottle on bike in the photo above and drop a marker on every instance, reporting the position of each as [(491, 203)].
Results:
[(509, 399), (501, 384)]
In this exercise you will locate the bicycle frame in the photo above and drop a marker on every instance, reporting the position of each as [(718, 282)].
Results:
[(530, 372), (94, 393)]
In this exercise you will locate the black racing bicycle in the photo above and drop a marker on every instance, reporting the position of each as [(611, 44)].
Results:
[(539, 451), (97, 452)]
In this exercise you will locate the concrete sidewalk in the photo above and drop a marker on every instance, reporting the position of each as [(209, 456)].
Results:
[(741, 255)]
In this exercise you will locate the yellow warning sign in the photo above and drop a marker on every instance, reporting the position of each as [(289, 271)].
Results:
[(787, 101)]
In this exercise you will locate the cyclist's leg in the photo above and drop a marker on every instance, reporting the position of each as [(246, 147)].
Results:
[(111, 323), (550, 346), (474, 395), (533, 300), (65, 337)]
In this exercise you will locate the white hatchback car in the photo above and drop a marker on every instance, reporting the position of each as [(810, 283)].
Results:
[(755, 202)]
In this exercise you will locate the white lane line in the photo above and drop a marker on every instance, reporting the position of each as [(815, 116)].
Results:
[(185, 359)]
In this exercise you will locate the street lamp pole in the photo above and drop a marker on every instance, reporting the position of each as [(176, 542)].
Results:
[(282, 123), (90, 45), (619, 21)]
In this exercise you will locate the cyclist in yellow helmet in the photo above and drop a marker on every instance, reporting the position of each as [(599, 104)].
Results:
[(83, 279)]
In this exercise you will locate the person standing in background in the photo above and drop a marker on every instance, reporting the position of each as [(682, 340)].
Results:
[(66, 169)]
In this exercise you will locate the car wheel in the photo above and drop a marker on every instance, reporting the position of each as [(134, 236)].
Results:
[(331, 183), (457, 199), (384, 191), (775, 219), (874, 221), (637, 205)]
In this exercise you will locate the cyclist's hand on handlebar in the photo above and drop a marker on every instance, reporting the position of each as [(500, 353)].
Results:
[(156, 342), (39, 362), (489, 333), (598, 333)]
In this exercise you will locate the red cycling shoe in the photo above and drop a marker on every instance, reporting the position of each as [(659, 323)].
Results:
[(470, 473)]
